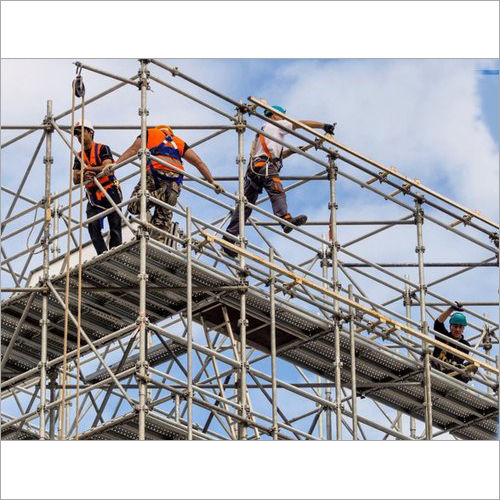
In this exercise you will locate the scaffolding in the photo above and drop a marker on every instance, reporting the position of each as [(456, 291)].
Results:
[(298, 338)]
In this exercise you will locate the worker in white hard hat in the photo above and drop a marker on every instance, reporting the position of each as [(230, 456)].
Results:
[(97, 157)]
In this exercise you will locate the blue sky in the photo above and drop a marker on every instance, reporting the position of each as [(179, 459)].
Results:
[(345, 29), (488, 91), (435, 119)]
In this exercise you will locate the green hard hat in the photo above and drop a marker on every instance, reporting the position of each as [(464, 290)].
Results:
[(278, 108), (458, 319)]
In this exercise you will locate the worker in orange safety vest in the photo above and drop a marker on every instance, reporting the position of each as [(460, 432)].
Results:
[(162, 182), (96, 158)]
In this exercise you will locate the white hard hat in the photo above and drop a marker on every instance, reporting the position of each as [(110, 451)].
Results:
[(86, 124)]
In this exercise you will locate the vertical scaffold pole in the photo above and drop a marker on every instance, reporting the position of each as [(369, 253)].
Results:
[(419, 220), (189, 313), (332, 176), (272, 312), (328, 390), (55, 245), (52, 412), (143, 277), (44, 322), (354, 399), (242, 428), (407, 303)]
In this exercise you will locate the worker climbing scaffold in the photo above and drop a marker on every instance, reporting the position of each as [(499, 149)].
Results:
[(164, 182), (263, 172)]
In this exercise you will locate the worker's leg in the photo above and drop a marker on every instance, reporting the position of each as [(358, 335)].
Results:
[(134, 207), (168, 193), (115, 222), (252, 189), (95, 229), (274, 188)]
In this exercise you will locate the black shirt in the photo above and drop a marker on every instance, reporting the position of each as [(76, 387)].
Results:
[(448, 356), (104, 154)]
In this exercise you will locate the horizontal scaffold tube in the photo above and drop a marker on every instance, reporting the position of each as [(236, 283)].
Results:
[(389, 170), (390, 322)]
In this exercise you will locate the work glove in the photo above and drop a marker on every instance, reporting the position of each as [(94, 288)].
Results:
[(88, 175), (470, 367), (329, 128), (217, 188), (457, 306), (106, 170)]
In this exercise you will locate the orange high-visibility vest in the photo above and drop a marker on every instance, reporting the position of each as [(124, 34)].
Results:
[(95, 161), (164, 144)]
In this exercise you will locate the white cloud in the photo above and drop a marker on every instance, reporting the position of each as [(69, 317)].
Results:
[(424, 116)]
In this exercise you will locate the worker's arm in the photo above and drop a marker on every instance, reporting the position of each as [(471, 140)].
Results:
[(444, 315), (328, 128), (92, 172), (289, 152), (131, 151), (76, 176), (457, 307), (89, 173), (197, 162), (77, 169)]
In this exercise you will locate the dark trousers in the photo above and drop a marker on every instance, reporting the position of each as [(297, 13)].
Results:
[(95, 228), (255, 182)]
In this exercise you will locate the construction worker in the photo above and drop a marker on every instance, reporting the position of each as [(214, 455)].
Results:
[(458, 322), (97, 157), (162, 182), (266, 159)]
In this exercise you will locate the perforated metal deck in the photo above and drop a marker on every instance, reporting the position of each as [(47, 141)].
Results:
[(302, 337), (125, 428)]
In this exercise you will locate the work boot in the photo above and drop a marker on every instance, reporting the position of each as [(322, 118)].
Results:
[(228, 251), (296, 221)]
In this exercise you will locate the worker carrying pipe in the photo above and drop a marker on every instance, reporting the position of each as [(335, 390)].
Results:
[(263, 172), (163, 182), (458, 322), (96, 158)]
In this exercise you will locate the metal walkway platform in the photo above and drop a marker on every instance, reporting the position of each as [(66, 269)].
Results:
[(303, 337), (125, 428)]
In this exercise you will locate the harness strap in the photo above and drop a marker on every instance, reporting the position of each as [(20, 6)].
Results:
[(264, 146), (166, 178)]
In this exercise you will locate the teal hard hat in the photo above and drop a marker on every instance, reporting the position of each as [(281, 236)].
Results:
[(458, 319), (278, 108)]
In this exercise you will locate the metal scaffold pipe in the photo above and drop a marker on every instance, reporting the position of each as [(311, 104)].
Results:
[(354, 405), (420, 249), (325, 251), (189, 319), (336, 286), (48, 160), (206, 333), (240, 161), (391, 171), (407, 304), (272, 313), (143, 233)]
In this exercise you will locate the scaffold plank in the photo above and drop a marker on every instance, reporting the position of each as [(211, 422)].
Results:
[(103, 312)]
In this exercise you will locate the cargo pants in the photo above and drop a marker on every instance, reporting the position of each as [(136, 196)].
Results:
[(255, 181), (166, 189)]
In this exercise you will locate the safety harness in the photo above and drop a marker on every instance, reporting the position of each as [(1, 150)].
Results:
[(170, 146), (266, 159), (108, 182)]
